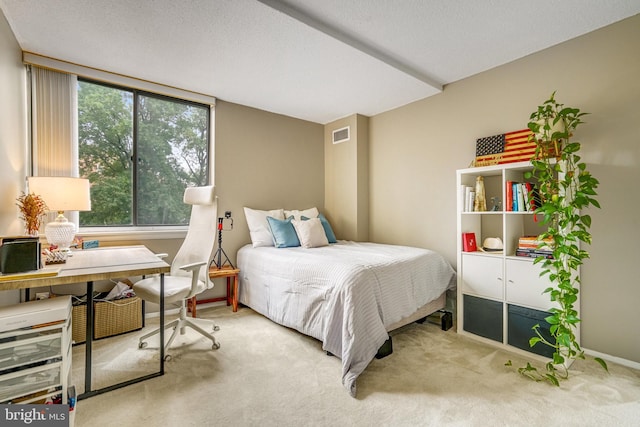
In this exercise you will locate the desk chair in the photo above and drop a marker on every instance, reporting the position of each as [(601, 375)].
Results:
[(187, 277)]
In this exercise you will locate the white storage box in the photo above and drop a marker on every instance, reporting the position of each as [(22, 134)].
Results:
[(33, 313)]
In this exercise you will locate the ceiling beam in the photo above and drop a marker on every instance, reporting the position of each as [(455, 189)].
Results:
[(341, 36)]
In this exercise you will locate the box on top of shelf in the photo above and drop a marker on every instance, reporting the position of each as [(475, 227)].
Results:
[(34, 313)]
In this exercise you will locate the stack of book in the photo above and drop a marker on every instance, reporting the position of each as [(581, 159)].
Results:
[(521, 197), (532, 247), (467, 196)]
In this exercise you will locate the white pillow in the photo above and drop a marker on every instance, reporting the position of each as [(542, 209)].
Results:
[(309, 213), (259, 227), (310, 233)]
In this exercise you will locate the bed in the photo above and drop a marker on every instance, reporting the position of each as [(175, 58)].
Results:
[(348, 295)]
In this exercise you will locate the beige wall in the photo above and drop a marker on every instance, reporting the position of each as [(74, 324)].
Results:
[(346, 176), (265, 161), (13, 135), (13, 128), (415, 150)]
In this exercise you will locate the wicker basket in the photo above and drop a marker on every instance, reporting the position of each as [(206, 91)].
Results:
[(110, 318)]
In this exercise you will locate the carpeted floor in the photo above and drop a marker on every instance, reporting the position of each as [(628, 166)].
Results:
[(268, 375)]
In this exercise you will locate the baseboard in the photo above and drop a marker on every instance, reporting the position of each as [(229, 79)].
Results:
[(615, 359)]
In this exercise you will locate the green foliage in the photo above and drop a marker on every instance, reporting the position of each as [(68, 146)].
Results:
[(565, 187), (170, 146)]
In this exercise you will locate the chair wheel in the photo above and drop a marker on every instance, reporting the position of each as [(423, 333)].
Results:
[(167, 358), (215, 346), (142, 344), (216, 328)]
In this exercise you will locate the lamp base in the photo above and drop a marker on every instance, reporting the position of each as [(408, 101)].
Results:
[(60, 232)]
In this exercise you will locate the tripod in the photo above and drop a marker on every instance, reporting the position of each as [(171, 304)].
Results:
[(217, 257)]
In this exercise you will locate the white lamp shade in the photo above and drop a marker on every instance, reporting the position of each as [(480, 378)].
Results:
[(62, 193)]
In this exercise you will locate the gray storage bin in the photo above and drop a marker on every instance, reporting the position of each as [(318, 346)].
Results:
[(483, 317), (521, 322)]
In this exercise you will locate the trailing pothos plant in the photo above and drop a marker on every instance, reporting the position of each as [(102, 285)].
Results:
[(565, 188)]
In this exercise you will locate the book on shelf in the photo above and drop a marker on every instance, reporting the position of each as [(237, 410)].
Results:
[(532, 242), (467, 198), (521, 197), (521, 202), (534, 253), (469, 242)]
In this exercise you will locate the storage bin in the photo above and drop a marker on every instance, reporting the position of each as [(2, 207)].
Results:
[(24, 381), (110, 318), (483, 317), (521, 322)]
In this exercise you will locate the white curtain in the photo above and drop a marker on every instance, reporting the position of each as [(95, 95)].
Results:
[(54, 126)]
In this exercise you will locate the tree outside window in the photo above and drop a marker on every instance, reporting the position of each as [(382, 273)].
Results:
[(139, 151)]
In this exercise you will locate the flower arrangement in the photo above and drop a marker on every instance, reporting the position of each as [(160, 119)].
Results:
[(32, 209)]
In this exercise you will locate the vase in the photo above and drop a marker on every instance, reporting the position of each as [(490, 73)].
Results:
[(31, 229)]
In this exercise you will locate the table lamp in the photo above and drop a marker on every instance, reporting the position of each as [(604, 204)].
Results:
[(61, 193)]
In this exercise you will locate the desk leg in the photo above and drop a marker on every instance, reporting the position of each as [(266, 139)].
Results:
[(162, 324), (89, 338), (88, 391)]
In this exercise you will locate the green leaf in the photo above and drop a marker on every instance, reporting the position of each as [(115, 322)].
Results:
[(552, 379), (602, 363), (558, 359), (552, 320)]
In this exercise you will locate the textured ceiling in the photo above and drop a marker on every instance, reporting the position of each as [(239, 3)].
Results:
[(311, 59)]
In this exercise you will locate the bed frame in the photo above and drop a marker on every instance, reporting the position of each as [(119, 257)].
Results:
[(420, 316)]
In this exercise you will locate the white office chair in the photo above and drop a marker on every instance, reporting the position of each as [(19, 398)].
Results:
[(189, 273)]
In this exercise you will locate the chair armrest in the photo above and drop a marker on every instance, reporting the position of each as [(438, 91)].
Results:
[(193, 266)]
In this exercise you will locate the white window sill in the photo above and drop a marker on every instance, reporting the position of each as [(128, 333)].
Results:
[(132, 233)]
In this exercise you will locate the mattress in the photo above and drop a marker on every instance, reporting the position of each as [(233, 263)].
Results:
[(346, 295)]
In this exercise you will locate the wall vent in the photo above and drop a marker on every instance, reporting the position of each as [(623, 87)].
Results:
[(341, 135)]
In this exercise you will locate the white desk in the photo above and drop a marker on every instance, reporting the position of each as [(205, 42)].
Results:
[(106, 263)]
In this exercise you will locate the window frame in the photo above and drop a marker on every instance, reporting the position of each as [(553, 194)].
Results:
[(158, 231)]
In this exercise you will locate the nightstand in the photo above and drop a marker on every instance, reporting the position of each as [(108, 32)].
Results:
[(232, 292)]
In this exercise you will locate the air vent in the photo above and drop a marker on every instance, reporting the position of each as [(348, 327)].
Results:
[(341, 135)]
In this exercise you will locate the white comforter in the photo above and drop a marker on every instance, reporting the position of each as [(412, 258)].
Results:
[(344, 294)]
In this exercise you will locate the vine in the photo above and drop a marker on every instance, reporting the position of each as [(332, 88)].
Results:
[(565, 188)]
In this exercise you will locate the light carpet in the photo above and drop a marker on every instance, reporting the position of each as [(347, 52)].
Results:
[(267, 375)]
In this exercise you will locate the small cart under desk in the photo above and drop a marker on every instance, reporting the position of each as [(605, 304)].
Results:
[(35, 351)]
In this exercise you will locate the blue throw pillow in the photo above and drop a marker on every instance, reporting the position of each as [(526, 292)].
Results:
[(284, 234), (331, 237)]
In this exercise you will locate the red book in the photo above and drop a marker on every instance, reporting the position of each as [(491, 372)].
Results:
[(469, 242), (508, 203)]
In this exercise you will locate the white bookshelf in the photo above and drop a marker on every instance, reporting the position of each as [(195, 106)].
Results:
[(500, 295)]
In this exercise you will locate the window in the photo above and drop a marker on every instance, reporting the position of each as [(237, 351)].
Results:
[(139, 151)]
